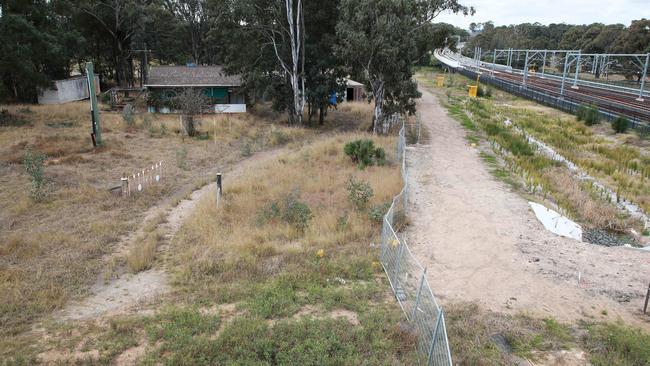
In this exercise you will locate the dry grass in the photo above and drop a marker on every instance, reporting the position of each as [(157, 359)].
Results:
[(142, 254), (573, 195), (52, 251), (230, 244)]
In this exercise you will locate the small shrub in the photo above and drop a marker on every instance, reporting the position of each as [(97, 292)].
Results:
[(620, 124), (33, 163), (128, 115), (181, 158), (483, 92), (296, 213), (246, 149), (364, 153), (279, 137), (380, 156), (291, 210), (581, 112), (377, 212), (359, 193), (163, 129), (589, 114)]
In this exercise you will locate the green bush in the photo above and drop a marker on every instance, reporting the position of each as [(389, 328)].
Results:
[(296, 213), (484, 92), (620, 124), (377, 212), (359, 193), (589, 114), (364, 153), (581, 112), (33, 163), (291, 210)]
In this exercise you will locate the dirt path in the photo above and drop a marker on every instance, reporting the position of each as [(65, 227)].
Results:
[(130, 290), (481, 242)]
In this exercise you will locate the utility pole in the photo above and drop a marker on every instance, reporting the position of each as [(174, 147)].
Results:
[(575, 80), (644, 75), (94, 111), (526, 69)]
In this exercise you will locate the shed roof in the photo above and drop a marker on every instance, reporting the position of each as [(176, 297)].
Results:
[(351, 83), (179, 76)]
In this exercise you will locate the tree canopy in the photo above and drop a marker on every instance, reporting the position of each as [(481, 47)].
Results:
[(592, 38)]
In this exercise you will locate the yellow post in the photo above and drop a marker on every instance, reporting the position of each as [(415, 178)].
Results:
[(473, 89), (440, 81)]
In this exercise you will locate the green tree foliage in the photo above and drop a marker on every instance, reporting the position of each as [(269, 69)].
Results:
[(380, 40), (35, 47)]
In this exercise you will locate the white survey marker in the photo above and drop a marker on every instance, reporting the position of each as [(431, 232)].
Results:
[(556, 223)]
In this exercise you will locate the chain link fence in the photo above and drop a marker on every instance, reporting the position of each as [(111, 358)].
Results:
[(408, 278)]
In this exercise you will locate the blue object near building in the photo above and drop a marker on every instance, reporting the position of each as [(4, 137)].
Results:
[(333, 98)]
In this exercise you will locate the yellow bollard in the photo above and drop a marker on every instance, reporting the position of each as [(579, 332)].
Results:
[(473, 89), (440, 81)]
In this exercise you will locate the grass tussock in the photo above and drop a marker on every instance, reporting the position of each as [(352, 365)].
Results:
[(142, 254)]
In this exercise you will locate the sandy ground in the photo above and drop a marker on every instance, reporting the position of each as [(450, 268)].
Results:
[(128, 291), (481, 242)]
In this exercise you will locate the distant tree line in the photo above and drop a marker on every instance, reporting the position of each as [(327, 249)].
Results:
[(592, 38), (295, 53)]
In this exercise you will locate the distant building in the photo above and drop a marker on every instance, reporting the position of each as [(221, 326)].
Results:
[(67, 90), (354, 91), (163, 82)]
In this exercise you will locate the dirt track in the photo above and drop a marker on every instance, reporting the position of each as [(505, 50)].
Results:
[(481, 242), (128, 291)]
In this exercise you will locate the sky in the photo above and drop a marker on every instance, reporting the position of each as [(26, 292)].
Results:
[(506, 12)]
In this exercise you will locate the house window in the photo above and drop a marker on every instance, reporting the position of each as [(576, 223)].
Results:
[(218, 95)]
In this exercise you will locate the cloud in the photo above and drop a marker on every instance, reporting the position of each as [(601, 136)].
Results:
[(505, 12)]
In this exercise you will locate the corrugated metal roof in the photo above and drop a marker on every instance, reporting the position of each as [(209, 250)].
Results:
[(171, 76)]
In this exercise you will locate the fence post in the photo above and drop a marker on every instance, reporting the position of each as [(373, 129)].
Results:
[(219, 188), (125, 186), (384, 241), (647, 296), (417, 297), (433, 338), (397, 261)]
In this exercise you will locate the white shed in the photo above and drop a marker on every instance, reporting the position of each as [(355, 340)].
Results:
[(67, 90)]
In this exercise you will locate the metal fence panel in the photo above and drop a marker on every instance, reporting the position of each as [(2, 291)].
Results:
[(408, 280)]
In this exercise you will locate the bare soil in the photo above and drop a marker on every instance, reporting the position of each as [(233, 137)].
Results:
[(481, 242)]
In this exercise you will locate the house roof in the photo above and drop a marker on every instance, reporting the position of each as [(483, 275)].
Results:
[(179, 76)]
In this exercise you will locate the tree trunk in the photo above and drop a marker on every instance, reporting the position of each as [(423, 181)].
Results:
[(377, 113), (188, 124), (321, 115)]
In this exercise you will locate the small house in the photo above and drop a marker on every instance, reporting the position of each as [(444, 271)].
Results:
[(354, 91), (67, 90), (223, 91)]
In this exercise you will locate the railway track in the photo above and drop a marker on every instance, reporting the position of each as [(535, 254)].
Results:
[(613, 102)]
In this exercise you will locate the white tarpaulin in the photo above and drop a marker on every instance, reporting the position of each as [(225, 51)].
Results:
[(556, 223)]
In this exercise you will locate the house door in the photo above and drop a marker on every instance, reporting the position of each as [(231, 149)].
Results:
[(349, 95)]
